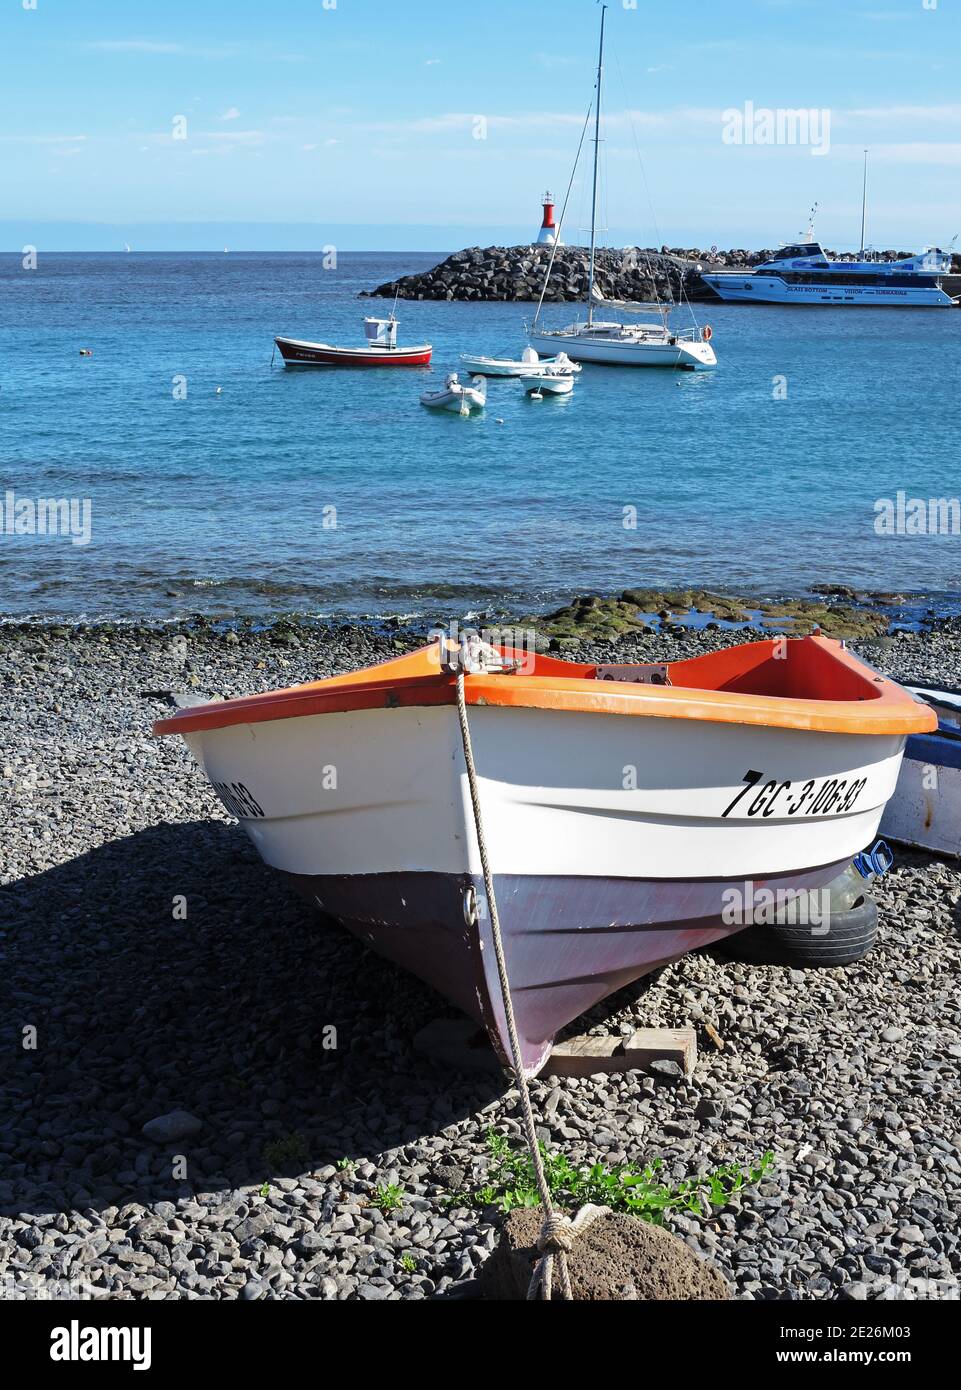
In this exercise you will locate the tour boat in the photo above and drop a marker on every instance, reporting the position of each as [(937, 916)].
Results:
[(613, 342), (925, 809), (381, 350), (621, 805), (457, 397), (801, 273), (505, 366)]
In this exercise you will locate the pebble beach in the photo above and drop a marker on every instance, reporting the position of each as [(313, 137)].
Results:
[(154, 973)]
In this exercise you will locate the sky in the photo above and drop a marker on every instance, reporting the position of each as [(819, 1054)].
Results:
[(431, 124)]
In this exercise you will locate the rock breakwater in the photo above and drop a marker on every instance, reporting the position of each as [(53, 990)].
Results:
[(632, 273)]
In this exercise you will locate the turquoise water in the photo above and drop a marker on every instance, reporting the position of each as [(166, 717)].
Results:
[(216, 503)]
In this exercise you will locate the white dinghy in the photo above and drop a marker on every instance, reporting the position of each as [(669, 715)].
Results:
[(456, 397), (505, 366)]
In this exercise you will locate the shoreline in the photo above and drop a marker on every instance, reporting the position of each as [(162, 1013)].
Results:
[(839, 610)]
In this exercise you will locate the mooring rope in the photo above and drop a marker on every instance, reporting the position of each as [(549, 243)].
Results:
[(558, 1231)]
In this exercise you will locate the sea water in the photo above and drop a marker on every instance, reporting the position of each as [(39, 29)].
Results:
[(218, 482)]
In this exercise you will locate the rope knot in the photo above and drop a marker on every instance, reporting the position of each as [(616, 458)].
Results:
[(557, 1233)]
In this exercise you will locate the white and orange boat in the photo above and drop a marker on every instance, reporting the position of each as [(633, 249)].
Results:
[(620, 804), (380, 350)]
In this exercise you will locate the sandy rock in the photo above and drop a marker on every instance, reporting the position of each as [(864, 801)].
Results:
[(618, 1257)]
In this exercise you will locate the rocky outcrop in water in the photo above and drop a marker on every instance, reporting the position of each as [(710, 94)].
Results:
[(517, 272), (633, 273)]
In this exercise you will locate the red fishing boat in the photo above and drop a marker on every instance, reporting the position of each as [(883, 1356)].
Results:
[(380, 350)]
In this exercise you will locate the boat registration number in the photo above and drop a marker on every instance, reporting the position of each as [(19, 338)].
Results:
[(239, 801), (818, 796)]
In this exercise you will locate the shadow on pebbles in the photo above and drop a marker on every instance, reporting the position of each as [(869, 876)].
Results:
[(277, 1052)]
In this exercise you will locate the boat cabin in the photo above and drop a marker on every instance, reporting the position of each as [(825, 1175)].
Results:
[(381, 332)]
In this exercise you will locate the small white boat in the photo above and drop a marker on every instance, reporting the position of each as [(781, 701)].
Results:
[(554, 383), (505, 366), (925, 809), (457, 397)]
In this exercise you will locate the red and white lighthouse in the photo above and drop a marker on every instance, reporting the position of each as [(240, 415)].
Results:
[(548, 231)]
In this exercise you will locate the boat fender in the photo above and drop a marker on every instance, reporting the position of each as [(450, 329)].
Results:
[(707, 333)]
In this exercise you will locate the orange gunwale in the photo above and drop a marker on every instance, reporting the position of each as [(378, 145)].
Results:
[(820, 686)]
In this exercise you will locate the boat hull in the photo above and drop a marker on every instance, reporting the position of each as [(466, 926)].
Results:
[(612, 840), (770, 289), (301, 354), (689, 356), (490, 366), (569, 940), (552, 385)]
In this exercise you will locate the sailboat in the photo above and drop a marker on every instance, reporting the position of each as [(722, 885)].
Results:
[(651, 343)]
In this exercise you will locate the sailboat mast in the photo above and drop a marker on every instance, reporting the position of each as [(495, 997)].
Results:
[(864, 198), (597, 145)]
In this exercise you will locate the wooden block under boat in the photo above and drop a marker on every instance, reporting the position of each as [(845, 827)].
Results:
[(584, 1055)]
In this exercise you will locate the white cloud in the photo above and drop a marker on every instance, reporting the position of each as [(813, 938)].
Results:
[(231, 114), (41, 139), (552, 61), (134, 46), (432, 63), (544, 120), (945, 113), (918, 152), (237, 137)]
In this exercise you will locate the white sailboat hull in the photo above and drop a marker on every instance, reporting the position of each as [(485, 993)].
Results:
[(630, 352)]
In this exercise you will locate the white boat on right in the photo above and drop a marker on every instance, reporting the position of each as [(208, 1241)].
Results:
[(800, 272), (925, 809)]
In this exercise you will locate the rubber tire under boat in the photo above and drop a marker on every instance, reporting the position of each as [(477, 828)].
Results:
[(850, 938)]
